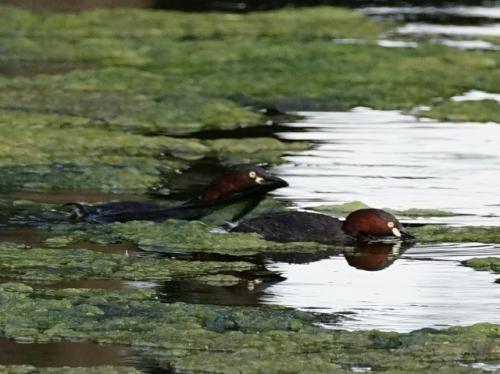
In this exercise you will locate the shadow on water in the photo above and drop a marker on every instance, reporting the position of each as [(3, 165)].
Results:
[(73, 354), (193, 292), (32, 237), (23, 235), (63, 197)]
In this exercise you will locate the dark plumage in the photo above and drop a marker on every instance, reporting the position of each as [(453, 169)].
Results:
[(238, 184), (362, 224), (295, 227)]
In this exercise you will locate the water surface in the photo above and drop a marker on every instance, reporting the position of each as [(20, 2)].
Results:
[(61, 354), (389, 159), (392, 160), (425, 287)]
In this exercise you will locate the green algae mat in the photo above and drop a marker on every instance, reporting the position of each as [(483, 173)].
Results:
[(131, 76), (220, 339)]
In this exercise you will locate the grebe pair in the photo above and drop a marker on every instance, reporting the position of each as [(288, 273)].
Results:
[(247, 183)]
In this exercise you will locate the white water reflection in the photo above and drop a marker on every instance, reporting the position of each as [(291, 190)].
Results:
[(432, 29), (393, 43), (396, 43), (463, 11), (476, 95), (426, 287), (391, 160), (468, 44)]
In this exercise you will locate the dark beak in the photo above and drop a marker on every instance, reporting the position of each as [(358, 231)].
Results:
[(272, 182), (405, 235)]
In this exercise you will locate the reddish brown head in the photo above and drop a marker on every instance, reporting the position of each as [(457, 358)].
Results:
[(241, 182), (374, 222)]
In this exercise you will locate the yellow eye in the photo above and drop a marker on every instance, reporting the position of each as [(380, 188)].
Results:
[(390, 224), (252, 174)]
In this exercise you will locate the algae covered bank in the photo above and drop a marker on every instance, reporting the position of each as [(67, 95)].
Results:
[(148, 105)]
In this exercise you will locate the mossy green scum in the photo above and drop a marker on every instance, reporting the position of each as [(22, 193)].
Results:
[(228, 339), (128, 74)]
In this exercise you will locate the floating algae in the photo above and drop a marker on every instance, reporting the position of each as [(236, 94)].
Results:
[(435, 234), (42, 265), (212, 338), (466, 111), (484, 264), (39, 156)]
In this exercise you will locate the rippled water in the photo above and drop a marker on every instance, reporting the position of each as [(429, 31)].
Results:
[(483, 12), (389, 159), (426, 28), (445, 24), (425, 287)]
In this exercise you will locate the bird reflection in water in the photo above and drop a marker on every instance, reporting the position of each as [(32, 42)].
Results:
[(375, 256)]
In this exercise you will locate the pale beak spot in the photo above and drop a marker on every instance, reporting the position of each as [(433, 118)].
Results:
[(396, 232), (259, 180)]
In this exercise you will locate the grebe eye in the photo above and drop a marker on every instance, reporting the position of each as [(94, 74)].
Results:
[(252, 174), (390, 224)]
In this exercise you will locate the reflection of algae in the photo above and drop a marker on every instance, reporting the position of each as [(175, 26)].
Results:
[(57, 264), (220, 339)]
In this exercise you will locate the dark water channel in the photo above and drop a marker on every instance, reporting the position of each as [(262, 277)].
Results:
[(73, 354)]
